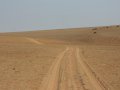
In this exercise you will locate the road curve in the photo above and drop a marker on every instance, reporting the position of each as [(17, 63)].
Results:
[(70, 72), (49, 82)]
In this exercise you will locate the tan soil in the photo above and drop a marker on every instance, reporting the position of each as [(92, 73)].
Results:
[(72, 59)]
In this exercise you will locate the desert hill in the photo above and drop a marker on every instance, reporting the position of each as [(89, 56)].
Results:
[(108, 35), (63, 59)]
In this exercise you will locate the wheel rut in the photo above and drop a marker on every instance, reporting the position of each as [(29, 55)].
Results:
[(70, 72)]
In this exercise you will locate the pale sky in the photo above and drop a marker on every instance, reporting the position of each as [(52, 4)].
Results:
[(25, 15)]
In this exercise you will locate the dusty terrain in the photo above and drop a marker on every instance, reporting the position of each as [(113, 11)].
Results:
[(71, 59)]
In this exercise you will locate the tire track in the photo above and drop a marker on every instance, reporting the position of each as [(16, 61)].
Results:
[(34, 41), (70, 72), (67, 80), (51, 81), (92, 78)]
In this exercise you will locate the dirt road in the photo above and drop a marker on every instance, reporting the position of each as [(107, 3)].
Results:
[(34, 41), (70, 72)]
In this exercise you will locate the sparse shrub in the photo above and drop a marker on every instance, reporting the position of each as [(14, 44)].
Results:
[(94, 29), (94, 32), (107, 27), (117, 26)]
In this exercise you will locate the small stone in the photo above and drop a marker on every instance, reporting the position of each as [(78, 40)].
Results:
[(13, 68)]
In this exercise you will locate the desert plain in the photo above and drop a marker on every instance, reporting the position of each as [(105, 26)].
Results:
[(63, 59)]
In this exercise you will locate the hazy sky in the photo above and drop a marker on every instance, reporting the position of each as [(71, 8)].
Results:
[(24, 15)]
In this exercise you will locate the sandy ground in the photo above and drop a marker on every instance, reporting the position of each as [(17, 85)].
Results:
[(23, 66), (70, 72), (74, 59), (105, 62)]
